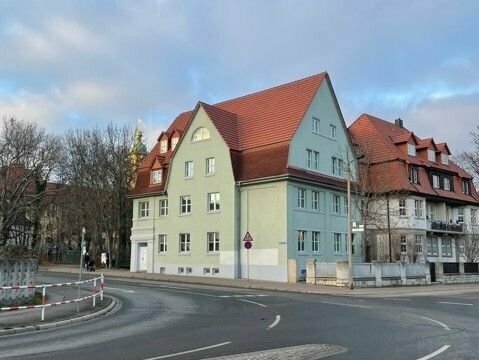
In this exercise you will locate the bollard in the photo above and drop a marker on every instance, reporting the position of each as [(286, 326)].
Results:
[(94, 292), (102, 283), (43, 302)]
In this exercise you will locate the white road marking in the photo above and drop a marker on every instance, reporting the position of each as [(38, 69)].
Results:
[(454, 303), (190, 351), (350, 305), (239, 296), (191, 292), (437, 322), (123, 290), (395, 299), (253, 302), (435, 353), (276, 322)]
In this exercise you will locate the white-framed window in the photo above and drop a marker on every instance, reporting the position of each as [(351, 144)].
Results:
[(432, 247), (163, 146), (213, 201), (334, 165), (447, 183), (174, 141), (337, 243), (445, 159), (465, 187), (418, 208), (206, 271), (446, 247), (210, 166), (213, 241), (402, 207), (411, 149), (431, 155), (185, 204), (315, 200), (163, 207), (403, 244), (162, 243), (301, 240), (185, 243), (143, 209), (189, 270), (301, 198), (418, 244), (181, 270), (460, 215), (413, 175), (312, 159), (216, 271), (336, 204), (346, 205), (200, 134), (474, 216), (333, 131), (315, 241), (316, 125), (435, 181), (188, 169), (156, 176)]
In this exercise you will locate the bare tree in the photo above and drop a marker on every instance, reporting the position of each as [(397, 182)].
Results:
[(28, 156), (470, 160), (468, 248)]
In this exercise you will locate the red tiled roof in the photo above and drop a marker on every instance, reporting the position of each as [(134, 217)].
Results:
[(226, 123), (380, 140)]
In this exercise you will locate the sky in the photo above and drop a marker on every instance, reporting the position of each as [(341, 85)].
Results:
[(80, 64)]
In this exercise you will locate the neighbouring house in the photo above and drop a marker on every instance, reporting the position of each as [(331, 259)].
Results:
[(272, 164), (423, 206)]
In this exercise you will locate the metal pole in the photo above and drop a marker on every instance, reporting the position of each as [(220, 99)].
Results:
[(247, 262), (94, 291), (43, 302), (81, 266), (350, 242), (102, 282)]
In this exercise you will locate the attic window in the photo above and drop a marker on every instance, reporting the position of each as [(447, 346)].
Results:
[(163, 146), (431, 155), (411, 150), (200, 134), (174, 141), (445, 159), (156, 176)]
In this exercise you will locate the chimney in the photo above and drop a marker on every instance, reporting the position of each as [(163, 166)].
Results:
[(399, 122)]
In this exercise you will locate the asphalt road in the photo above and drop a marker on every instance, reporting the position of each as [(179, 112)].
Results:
[(164, 320)]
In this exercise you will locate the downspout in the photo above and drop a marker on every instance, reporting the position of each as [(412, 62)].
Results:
[(389, 229)]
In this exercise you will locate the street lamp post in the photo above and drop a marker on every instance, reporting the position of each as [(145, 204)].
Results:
[(82, 246)]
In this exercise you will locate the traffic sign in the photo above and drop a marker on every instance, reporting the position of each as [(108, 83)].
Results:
[(248, 237), (248, 245)]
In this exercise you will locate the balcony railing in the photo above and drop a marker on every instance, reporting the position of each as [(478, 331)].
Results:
[(443, 226)]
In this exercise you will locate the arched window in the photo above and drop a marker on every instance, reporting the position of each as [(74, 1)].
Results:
[(200, 134)]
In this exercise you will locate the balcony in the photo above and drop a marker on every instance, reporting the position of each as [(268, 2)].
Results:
[(444, 227)]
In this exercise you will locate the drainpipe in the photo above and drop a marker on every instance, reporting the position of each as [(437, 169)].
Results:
[(389, 229)]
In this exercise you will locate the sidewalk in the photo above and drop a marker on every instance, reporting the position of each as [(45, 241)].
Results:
[(428, 290)]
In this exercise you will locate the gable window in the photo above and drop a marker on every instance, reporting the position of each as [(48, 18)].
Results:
[(418, 244), (301, 239), (188, 169), (315, 241), (418, 208), (185, 205), (411, 149), (447, 183), (333, 131), (301, 198), (163, 146), (337, 243), (156, 176), (315, 200), (336, 204), (445, 159), (465, 187), (413, 175), (185, 243), (316, 124), (435, 181), (313, 159), (210, 166), (402, 207), (200, 135), (403, 244), (431, 155), (162, 243), (143, 209), (214, 201), (460, 215), (163, 207), (174, 141), (213, 239)]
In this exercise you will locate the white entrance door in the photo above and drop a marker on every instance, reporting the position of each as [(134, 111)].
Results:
[(142, 253)]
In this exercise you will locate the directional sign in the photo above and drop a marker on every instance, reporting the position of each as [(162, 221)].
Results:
[(248, 237), (248, 245)]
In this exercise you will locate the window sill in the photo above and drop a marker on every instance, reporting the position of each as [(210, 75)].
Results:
[(213, 253), (208, 175), (213, 212), (184, 254), (188, 177), (188, 214)]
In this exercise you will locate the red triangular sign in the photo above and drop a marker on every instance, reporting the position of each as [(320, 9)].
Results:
[(247, 237)]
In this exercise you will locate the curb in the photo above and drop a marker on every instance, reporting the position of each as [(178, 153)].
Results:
[(52, 325)]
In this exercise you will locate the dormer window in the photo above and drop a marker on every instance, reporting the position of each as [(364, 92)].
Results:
[(156, 176), (445, 159), (163, 146), (174, 141), (465, 187), (200, 135), (413, 176), (435, 181), (411, 149), (431, 155)]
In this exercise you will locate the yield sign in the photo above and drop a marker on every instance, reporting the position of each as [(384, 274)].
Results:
[(247, 237)]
